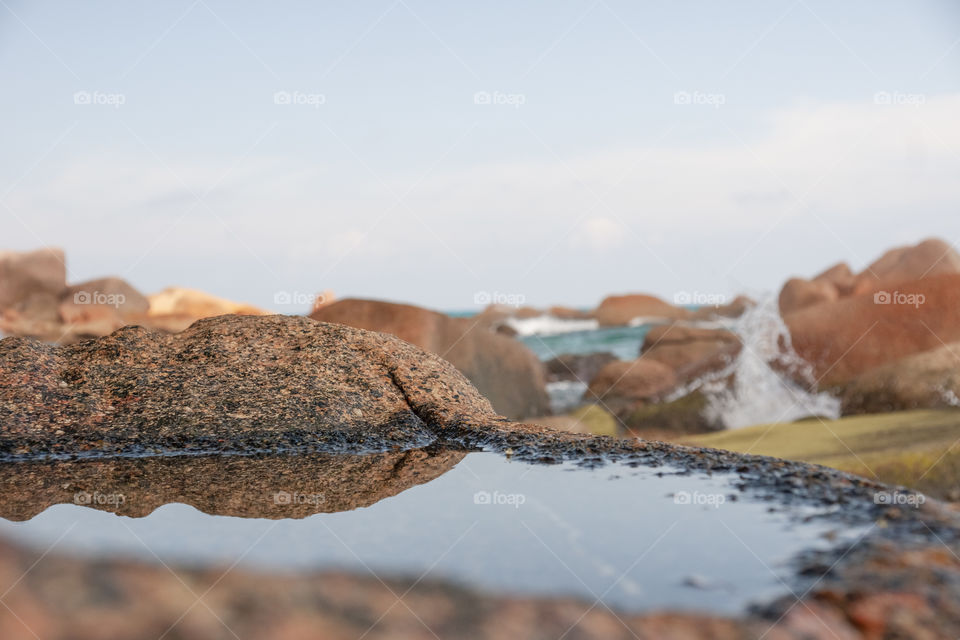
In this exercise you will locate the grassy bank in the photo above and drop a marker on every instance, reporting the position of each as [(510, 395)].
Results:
[(918, 449)]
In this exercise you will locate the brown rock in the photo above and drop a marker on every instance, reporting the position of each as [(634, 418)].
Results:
[(847, 338), (502, 369), (929, 258), (31, 284), (683, 347), (238, 383), (620, 310), (24, 275), (798, 294), (624, 385), (927, 380), (566, 313), (581, 367), (840, 276), (98, 307), (177, 301)]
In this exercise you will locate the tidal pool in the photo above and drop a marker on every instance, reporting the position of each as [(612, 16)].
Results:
[(632, 539)]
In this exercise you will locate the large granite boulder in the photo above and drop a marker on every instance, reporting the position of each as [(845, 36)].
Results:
[(930, 379), (240, 383), (799, 293), (847, 338), (624, 385), (932, 257), (98, 307), (503, 370), (24, 275), (617, 311), (577, 367), (899, 266), (683, 347), (31, 286)]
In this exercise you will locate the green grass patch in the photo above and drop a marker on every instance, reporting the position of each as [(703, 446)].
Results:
[(917, 449)]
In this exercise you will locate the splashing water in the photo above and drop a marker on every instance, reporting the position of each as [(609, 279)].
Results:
[(767, 382)]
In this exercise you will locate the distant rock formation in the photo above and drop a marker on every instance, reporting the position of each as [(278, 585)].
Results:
[(502, 369)]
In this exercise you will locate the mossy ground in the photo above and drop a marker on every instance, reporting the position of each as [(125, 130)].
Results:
[(917, 449)]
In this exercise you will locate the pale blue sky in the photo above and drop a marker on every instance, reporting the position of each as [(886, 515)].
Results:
[(400, 186)]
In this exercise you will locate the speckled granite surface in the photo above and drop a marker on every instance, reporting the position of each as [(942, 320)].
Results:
[(230, 383)]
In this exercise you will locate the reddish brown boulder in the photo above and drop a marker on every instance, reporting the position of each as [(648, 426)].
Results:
[(931, 257), (581, 367), (30, 274), (798, 293), (566, 313), (849, 337), (620, 310), (31, 284), (502, 369), (926, 380), (683, 347), (624, 385), (840, 276), (98, 307)]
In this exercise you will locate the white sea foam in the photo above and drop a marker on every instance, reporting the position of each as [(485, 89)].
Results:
[(565, 395), (547, 325), (759, 393), (639, 321)]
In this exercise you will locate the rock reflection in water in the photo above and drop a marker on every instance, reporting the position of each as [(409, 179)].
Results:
[(267, 486)]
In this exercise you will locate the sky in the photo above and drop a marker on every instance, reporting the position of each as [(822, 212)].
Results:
[(447, 154)]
